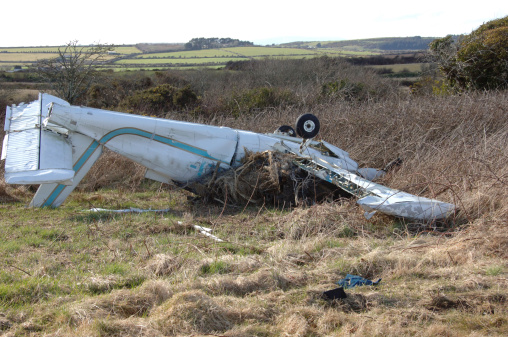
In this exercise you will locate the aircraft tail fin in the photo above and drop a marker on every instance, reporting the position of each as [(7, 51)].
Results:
[(33, 154), (86, 151), (37, 152)]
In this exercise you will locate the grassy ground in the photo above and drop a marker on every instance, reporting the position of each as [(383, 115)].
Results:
[(72, 272)]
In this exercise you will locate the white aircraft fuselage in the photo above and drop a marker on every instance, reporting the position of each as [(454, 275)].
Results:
[(52, 143)]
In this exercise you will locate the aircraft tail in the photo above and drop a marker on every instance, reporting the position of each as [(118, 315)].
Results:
[(37, 152)]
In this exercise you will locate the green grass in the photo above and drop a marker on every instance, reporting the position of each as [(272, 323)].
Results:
[(495, 270), (269, 51), (62, 264), (183, 61), (216, 267), (190, 54), (119, 49), (31, 290)]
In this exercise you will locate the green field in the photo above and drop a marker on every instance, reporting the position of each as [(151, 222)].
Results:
[(168, 61), (118, 49), (24, 57), (270, 51), (170, 54), (412, 67), (131, 55), (222, 56), (30, 50), (10, 57), (189, 54)]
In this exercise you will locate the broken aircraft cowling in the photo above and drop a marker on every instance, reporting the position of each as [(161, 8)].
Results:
[(52, 143)]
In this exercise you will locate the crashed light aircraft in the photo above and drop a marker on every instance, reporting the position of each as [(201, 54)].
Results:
[(54, 144)]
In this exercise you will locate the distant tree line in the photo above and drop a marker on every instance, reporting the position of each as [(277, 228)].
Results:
[(407, 43), (393, 43), (387, 59), (215, 42)]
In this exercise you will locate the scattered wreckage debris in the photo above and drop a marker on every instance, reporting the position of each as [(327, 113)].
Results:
[(129, 210), (203, 230), (207, 232), (334, 294), (269, 178), (184, 228), (51, 143), (351, 281)]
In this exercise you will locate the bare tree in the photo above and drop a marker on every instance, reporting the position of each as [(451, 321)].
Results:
[(74, 70)]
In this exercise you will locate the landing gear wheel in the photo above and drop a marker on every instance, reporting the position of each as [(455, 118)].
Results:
[(307, 126), (285, 130)]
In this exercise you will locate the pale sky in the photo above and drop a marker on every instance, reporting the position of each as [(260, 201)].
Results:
[(56, 22)]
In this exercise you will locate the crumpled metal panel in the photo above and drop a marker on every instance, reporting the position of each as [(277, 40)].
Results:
[(31, 154), (375, 197), (22, 150), (407, 206)]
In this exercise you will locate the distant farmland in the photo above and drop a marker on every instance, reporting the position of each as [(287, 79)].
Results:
[(131, 57), (173, 55), (216, 57)]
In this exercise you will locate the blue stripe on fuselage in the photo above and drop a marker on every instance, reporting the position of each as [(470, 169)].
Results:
[(126, 131)]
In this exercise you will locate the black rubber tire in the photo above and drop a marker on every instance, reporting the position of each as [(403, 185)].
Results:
[(287, 130), (307, 126)]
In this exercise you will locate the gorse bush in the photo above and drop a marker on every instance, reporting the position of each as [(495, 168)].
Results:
[(477, 60), (344, 89), (185, 97), (113, 89), (241, 88), (160, 99), (257, 99)]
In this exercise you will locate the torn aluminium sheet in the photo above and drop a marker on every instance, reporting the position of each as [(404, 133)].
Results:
[(129, 210), (375, 197)]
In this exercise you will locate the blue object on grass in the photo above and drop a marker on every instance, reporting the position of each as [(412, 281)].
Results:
[(352, 281)]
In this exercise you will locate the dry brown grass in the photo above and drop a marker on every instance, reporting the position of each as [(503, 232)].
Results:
[(442, 279), (163, 264)]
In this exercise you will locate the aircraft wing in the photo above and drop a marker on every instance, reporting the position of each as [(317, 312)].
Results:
[(375, 197)]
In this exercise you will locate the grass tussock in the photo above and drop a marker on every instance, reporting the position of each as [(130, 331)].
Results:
[(192, 311), (163, 265), (261, 281), (121, 303)]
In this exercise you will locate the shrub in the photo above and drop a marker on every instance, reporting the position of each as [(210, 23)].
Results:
[(159, 99), (258, 98), (428, 85), (151, 100), (477, 60), (114, 89), (345, 89), (185, 97)]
